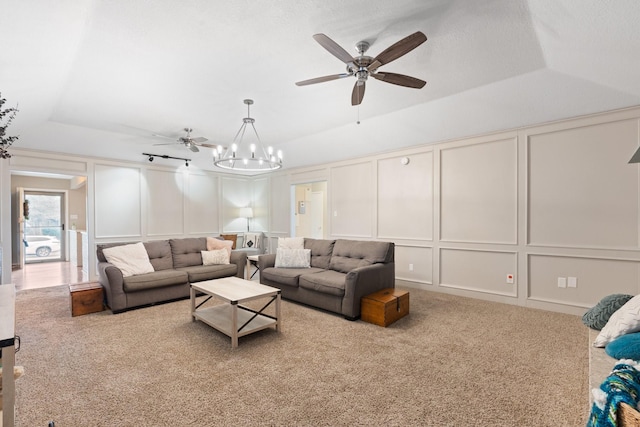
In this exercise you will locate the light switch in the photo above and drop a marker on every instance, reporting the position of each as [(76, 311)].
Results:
[(573, 282), (562, 282)]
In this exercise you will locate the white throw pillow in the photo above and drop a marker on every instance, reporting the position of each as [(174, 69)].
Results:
[(291, 242), (215, 257), (624, 320), (213, 244), (251, 240), (130, 259), (293, 258)]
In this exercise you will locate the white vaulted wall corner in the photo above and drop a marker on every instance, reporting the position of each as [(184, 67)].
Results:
[(556, 200)]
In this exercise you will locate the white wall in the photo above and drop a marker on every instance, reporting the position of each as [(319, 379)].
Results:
[(547, 201), (141, 202)]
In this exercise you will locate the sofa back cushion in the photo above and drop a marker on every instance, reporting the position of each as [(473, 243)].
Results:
[(159, 254), (321, 251), (188, 251), (351, 254)]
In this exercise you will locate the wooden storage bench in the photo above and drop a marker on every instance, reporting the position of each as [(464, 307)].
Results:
[(86, 298), (385, 306)]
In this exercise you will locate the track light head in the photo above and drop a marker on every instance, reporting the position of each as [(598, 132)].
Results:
[(186, 164), (151, 158)]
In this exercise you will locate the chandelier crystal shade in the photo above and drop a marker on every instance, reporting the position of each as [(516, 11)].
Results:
[(250, 157)]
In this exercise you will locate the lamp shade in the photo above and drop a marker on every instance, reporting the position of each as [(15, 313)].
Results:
[(636, 157), (246, 213)]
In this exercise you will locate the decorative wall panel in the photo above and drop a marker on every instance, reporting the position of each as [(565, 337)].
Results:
[(353, 204), (280, 204), (414, 264), (405, 197), (202, 200), (260, 220), (236, 194), (476, 270), (479, 200), (165, 203), (582, 192), (118, 201), (596, 278)]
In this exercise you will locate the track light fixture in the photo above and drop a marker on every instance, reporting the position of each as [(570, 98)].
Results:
[(164, 156)]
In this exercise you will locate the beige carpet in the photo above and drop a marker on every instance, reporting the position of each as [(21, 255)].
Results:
[(452, 362)]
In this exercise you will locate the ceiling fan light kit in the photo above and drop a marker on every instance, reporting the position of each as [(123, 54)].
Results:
[(362, 67), (253, 158)]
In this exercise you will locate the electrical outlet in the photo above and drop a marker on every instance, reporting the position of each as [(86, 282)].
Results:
[(572, 282), (562, 282), (510, 278)]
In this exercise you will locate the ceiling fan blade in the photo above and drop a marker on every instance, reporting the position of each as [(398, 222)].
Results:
[(398, 49), (214, 146), (166, 143), (193, 148), (334, 48), (322, 79), (199, 139), (157, 135), (358, 93), (399, 79)]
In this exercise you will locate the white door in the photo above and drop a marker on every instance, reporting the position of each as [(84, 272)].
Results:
[(316, 210)]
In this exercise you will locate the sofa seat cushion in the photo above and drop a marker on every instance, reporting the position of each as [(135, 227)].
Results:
[(287, 276), (326, 282), (157, 279), (198, 273)]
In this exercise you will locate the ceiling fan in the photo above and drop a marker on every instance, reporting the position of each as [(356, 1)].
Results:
[(363, 66), (189, 142)]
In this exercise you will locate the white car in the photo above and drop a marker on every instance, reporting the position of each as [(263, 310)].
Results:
[(41, 246)]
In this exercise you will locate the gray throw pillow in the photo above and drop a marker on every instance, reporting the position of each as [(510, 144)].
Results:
[(598, 316)]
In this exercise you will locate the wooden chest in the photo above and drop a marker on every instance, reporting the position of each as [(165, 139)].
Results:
[(384, 307), (86, 298)]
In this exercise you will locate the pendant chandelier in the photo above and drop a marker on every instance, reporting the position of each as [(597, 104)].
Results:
[(248, 157)]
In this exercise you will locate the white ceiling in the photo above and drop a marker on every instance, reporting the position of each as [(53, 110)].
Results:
[(100, 77)]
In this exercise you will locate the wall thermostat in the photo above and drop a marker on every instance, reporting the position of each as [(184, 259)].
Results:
[(404, 161)]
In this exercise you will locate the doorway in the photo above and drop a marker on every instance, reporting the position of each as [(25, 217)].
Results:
[(309, 210), (43, 236)]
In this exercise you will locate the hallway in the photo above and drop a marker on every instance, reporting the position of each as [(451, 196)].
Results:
[(45, 274)]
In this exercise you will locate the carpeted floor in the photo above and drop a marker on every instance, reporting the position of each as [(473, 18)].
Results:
[(452, 362)]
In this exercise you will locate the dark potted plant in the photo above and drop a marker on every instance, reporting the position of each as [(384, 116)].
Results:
[(6, 117)]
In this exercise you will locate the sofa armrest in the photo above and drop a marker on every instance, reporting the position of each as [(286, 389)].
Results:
[(363, 281), (239, 258), (111, 279), (266, 261)]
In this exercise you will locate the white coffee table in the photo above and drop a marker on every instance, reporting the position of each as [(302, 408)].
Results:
[(233, 319)]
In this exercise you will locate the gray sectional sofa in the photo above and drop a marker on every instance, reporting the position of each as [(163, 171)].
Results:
[(177, 263), (341, 273)]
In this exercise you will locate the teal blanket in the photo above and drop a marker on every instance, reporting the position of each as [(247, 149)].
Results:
[(622, 385)]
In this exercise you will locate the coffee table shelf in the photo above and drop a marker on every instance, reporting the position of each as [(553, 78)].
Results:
[(220, 317)]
